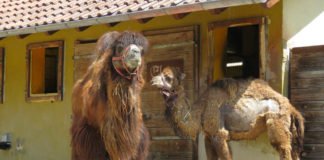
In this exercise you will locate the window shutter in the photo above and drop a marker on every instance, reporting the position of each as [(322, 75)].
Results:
[(83, 57)]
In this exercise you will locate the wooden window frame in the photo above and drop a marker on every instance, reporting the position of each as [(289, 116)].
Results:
[(2, 63), (58, 96), (263, 40)]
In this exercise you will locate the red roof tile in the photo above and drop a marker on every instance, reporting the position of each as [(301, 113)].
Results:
[(27, 15)]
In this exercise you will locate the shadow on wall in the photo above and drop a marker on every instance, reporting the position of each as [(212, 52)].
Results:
[(303, 22)]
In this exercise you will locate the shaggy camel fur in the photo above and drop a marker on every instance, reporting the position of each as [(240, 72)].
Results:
[(232, 110), (106, 103)]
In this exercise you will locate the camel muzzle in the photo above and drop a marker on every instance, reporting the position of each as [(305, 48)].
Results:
[(128, 63)]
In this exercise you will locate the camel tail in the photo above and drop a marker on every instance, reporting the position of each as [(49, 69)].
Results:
[(297, 130)]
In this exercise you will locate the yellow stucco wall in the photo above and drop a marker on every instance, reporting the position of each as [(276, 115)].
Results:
[(43, 127)]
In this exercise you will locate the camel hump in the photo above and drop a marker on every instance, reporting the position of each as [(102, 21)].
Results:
[(225, 83), (230, 84), (260, 81)]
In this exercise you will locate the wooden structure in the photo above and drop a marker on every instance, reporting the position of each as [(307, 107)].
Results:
[(179, 35), (307, 94), (176, 47)]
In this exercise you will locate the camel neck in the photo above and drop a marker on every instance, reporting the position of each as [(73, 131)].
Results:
[(179, 112)]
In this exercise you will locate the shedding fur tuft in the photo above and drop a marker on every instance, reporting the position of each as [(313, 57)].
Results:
[(297, 130)]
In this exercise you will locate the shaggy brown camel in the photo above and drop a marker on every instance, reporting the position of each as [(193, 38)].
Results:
[(232, 110), (106, 103)]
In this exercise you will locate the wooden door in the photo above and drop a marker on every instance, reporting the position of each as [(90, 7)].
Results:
[(175, 47), (307, 94)]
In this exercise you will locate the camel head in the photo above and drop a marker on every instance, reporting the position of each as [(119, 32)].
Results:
[(168, 81), (128, 58), (126, 50), (127, 53)]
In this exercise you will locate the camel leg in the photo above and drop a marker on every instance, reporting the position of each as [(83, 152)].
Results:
[(144, 145), (215, 131), (210, 151), (219, 142), (86, 142), (279, 134)]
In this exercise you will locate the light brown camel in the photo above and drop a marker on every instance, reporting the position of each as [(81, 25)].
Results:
[(232, 110), (106, 103)]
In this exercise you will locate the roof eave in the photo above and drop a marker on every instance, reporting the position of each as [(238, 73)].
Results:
[(131, 16)]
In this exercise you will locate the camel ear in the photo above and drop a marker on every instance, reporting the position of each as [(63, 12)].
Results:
[(106, 41), (182, 76)]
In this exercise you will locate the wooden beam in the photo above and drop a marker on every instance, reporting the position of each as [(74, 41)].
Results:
[(22, 36), (270, 3), (217, 11), (113, 24), (51, 32), (180, 15), (144, 20), (80, 29)]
